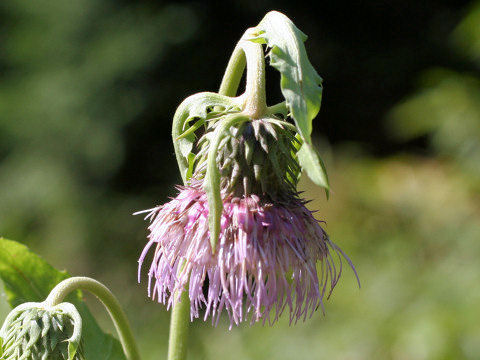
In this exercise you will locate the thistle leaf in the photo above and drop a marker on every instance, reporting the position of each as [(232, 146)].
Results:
[(195, 107), (300, 84), (313, 165), (211, 183), (72, 349)]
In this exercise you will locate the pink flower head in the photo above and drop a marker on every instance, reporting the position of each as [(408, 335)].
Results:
[(271, 256)]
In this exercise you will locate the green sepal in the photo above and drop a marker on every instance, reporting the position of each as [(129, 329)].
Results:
[(311, 162), (211, 183), (34, 332), (72, 349), (197, 106), (74, 340), (191, 162)]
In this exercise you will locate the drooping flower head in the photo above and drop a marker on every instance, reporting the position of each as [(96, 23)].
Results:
[(238, 237), (266, 259)]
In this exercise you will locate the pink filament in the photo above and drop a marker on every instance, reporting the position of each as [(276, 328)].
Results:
[(266, 258)]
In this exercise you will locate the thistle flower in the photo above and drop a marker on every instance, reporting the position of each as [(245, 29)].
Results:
[(237, 236), (266, 258), (34, 331), (269, 243)]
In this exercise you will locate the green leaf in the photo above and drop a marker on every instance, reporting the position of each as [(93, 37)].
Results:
[(76, 318), (72, 349), (196, 107), (313, 165), (300, 83), (211, 182), (27, 277)]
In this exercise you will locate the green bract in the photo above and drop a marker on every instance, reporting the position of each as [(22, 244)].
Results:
[(216, 114)]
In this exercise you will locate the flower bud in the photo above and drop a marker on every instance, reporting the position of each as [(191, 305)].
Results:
[(255, 157), (37, 331)]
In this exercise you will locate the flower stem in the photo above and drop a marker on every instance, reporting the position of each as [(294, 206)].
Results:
[(255, 97), (179, 324), (233, 73), (250, 54), (111, 303)]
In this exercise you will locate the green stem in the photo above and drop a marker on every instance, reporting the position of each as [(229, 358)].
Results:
[(233, 73), (280, 108), (59, 292), (250, 54), (255, 97), (179, 324)]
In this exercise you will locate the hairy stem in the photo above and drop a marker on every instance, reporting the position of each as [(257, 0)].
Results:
[(179, 326), (233, 73), (250, 54), (255, 97), (64, 288)]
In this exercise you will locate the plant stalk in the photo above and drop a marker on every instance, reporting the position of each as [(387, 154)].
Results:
[(65, 287), (233, 72), (250, 54), (179, 326), (255, 97)]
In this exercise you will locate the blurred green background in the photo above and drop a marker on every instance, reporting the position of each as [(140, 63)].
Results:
[(87, 92)]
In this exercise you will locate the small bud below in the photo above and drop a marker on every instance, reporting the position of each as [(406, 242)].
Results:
[(37, 331)]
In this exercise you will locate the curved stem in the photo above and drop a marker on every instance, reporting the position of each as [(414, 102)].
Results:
[(233, 73), (250, 54), (179, 324), (255, 97), (111, 303)]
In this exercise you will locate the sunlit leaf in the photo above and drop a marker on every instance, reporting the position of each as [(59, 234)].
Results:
[(313, 165), (301, 85), (211, 182), (198, 106), (466, 36), (29, 278)]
